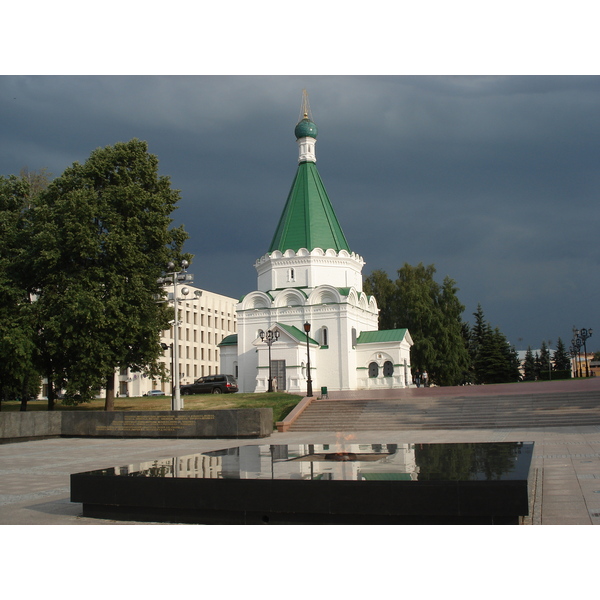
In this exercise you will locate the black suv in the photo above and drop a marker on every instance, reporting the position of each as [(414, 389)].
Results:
[(211, 384)]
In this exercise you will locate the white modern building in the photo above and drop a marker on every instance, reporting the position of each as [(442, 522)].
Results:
[(310, 278), (206, 319)]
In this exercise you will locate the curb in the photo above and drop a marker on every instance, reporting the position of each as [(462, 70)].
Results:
[(283, 426)]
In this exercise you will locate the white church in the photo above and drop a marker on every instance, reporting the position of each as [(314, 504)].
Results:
[(309, 319)]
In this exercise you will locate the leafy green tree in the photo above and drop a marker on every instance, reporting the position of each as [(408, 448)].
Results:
[(100, 238), (36, 183), (449, 349), (19, 377), (378, 284), (432, 314)]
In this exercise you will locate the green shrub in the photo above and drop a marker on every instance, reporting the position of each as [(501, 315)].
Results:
[(564, 374)]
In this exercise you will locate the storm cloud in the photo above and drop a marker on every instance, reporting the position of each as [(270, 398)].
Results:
[(493, 179)]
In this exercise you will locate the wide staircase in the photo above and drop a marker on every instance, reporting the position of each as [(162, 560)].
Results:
[(551, 409)]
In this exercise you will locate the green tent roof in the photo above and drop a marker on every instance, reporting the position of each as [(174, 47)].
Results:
[(308, 220)]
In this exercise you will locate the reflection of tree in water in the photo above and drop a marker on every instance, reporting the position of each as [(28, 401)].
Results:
[(444, 461), (494, 460), (465, 461)]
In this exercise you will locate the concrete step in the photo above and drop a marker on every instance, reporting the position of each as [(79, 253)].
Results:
[(535, 410)]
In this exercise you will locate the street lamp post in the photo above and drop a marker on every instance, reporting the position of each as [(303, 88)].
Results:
[(573, 353), (175, 277), (578, 344), (269, 337), (166, 347), (582, 335), (309, 391)]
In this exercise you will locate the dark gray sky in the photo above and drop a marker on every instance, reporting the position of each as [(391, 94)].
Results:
[(492, 179)]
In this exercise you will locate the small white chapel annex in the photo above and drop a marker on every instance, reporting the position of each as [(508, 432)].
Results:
[(311, 279)]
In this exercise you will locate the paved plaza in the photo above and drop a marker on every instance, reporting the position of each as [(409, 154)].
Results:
[(34, 475)]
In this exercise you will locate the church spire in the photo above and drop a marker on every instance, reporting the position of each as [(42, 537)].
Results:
[(305, 107), (306, 133), (308, 219)]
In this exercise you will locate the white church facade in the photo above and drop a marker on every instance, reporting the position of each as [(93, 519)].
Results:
[(311, 280)]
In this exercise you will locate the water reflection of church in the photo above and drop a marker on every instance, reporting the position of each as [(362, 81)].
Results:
[(297, 461)]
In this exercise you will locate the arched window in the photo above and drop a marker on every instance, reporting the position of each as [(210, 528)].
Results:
[(291, 275), (373, 369), (388, 368), (324, 337)]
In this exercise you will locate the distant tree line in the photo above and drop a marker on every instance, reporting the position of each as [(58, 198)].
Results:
[(546, 365), (452, 351), (80, 258), (493, 358)]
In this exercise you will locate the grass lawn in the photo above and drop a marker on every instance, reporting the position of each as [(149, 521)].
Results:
[(280, 402)]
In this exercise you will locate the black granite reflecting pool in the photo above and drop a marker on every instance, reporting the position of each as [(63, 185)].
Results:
[(366, 483)]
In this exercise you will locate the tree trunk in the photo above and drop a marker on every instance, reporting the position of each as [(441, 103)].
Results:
[(109, 403), (50, 390), (24, 395)]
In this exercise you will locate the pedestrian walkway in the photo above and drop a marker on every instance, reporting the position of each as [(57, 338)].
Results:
[(34, 475)]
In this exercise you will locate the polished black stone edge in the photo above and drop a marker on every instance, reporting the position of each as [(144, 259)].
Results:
[(231, 501), (210, 517)]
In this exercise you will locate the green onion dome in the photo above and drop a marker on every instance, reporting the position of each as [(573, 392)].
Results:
[(306, 128)]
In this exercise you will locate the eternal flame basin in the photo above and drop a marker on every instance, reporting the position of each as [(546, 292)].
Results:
[(450, 483)]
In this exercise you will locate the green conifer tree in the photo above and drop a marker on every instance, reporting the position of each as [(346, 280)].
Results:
[(494, 359), (561, 359), (545, 365), (537, 365), (529, 366)]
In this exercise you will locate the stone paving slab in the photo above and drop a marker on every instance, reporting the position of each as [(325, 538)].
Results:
[(34, 476)]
